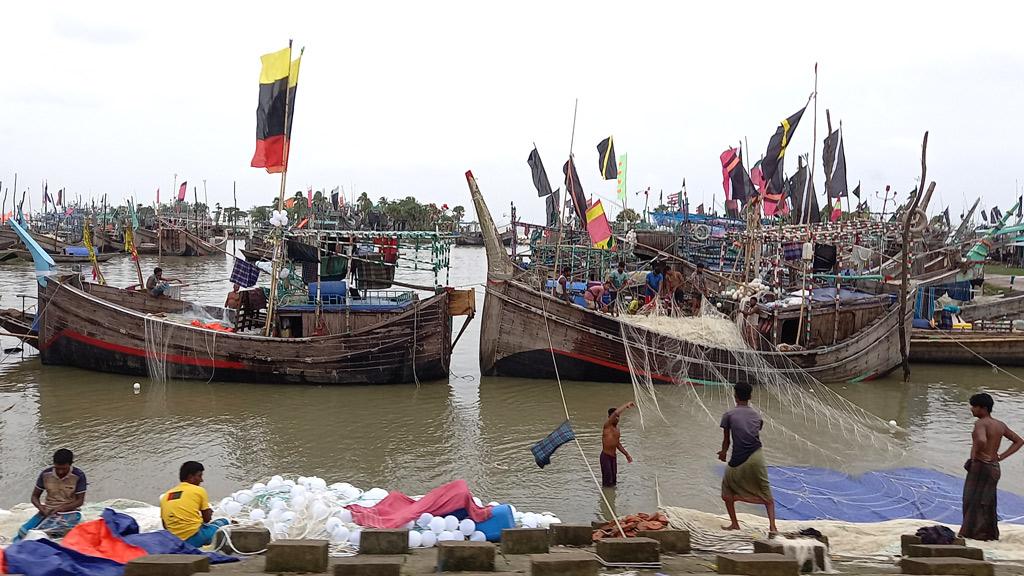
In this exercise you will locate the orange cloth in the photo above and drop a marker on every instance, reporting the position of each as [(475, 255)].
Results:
[(95, 539)]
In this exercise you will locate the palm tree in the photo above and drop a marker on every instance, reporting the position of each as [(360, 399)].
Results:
[(457, 213)]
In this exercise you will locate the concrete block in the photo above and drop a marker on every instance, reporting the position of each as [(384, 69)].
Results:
[(297, 556), (524, 541), (757, 564), (566, 564), (167, 565), (465, 557), (572, 535), (247, 540), (776, 546), (945, 551), (671, 540), (368, 566), (384, 542), (908, 540), (953, 566), (628, 550)]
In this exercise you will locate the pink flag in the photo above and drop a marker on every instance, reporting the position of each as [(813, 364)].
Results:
[(309, 197), (181, 191), (69, 211)]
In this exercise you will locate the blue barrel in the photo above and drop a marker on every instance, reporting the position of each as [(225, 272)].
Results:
[(76, 251), (333, 288)]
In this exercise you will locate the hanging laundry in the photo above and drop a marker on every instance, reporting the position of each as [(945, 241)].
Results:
[(543, 450), (244, 274)]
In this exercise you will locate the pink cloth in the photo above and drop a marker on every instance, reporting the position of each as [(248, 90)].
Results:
[(397, 509)]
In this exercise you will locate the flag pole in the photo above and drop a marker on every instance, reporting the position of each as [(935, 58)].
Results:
[(561, 207), (278, 252), (814, 155)]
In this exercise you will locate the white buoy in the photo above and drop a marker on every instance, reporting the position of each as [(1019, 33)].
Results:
[(345, 515), (428, 539), (354, 537), (257, 515), (137, 387), (332, 524), (467, 527), (424, 520), (415, 539), (445, 536), (892, 424), (451, 523), (437, 524), (478, 536)]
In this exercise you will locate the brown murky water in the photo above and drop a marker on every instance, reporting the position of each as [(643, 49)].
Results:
[(413, 438)]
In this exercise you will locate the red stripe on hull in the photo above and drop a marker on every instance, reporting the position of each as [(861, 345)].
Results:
[(175, 358), (609, 364)]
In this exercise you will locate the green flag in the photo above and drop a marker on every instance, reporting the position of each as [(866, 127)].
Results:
[(622, 178)]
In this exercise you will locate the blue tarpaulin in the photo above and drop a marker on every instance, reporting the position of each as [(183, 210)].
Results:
[(916, 493), (48, 558)]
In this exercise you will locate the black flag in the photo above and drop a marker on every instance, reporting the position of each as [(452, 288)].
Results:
[(856, 191), (552, 205), (1020, 207), (771, 167), (575, 189), (794, 190), (996, 214), (984, 216), (334, 198), (945, 216), (828, 158), (814, 213), (540, 177), (837, 185), (607, 163)]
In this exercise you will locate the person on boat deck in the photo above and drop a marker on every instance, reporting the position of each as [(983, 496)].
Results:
[(594, 296), (979, 503), (653, 282), (562, 286), (64, 486), (750, 322), (698, 287), (746, 474), (157, 284), (185, 509), (611, 441), (617, 279), (234, 300), (673, 285)]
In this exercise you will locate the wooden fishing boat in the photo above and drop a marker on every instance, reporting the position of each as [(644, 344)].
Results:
[(519, 320), (1009, 307), (176, 241), (8, 255), (255, 255), (68, 258), (967, 347), (18, 323), (44, 240)]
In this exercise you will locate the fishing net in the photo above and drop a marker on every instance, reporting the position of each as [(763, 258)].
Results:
[(158, 339), (703, 356)]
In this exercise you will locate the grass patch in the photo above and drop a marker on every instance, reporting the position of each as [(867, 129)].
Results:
[(992, 290)]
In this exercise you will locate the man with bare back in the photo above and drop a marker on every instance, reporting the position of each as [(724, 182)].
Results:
[(979, 503), (611, 441)]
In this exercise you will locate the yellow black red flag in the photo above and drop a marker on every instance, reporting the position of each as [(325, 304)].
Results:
[(606, 159), (279, 78)]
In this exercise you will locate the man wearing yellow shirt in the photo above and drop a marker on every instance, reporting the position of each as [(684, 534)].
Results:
[(185, 509)]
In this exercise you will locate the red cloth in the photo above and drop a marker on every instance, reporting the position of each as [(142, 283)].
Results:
[(95, 539), (398, 509)]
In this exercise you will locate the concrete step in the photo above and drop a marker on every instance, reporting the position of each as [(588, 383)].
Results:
[(757, 564), (572, 535), (908, 540), (563, 564), (945, 551), (244, 539), (671, 540), (374, 541), (776, 546), (948, 565), (524, 541), (368, 566), (167, 565), (297, 556), (628, 550), (465, 556)]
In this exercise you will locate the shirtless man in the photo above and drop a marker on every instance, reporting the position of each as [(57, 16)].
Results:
[(673, 285), (979, 501), (610, 443)]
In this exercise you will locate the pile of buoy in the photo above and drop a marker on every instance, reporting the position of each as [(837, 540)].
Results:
[(307, 507)]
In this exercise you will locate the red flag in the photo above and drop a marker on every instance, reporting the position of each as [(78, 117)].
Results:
[(181, 191), (729, 161), (309, 197), (157, 196)]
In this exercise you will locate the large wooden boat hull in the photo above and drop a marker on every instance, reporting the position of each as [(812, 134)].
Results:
[(79, 328), (959, 347), (523, 328), (1008, 307), (173, 241), (67, 258), (589, 346)]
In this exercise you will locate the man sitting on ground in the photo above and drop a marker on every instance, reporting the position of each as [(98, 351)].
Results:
[(185, 509), (64, 486)]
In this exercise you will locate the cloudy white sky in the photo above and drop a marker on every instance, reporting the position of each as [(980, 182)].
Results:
[(401, 98)]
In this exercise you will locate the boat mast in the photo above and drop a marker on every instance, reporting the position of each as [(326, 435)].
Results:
[(908, 218), (569, 191), (279, 241)]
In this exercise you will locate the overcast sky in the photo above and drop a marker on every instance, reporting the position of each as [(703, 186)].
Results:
[(401, 99)]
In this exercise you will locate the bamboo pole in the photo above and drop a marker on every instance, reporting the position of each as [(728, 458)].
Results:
[(279, 243), (905, 257)]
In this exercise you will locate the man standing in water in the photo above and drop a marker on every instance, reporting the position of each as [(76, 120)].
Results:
[(611, 441), (979, 504), (746, 476)]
